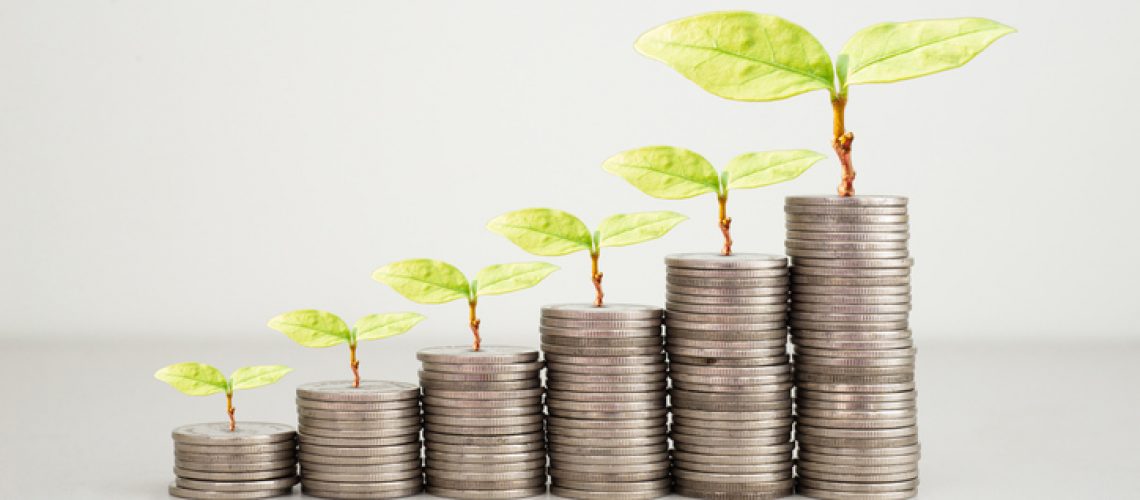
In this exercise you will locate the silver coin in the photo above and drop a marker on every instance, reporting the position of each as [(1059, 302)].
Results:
[(729, 371), (358, 425), (856, 263), (235, 467), (501, 448), (803, 298), (386, 492), (369, 390), (362, 468), (246, 433), (235, 458), (838, 495), (605, 360), (532, 367), (489, 485), (725, 300), (768, 343), (342, 488), (374, 477), (674, 333), (628, 477), (480, 395), (885, 451), (177, 491), (387, 415), (432, 454), (595, 342), (846, 236), (856, 345), (733, 388), (601, 351), (729, 441), (490, 354), (599, 324), (605, 312), (852, 318), (578, 423), (724, 353), (727, 291), (239, 486), (731, 415), (774, 272), (559, 385), (675, 358), (865, 389), (430, 419), (696, 459), (236, 476), (530, 465), (735, 469), (640, 378), (727, 479), (606, 415), (841, 227), (857, 200), (436, 402), (569, 396), (482, 430), (803, 359), (901, 476), (846, 218), (620, 489), (855, 353), (694, 281), (432, 438), (211, 449), (855, 406), (380, 432), (856, 460), (699, 405), (854, 433), (734, 319), (873, 371), (382, 441), (782, 433), (401, 405), (477, 377), (732, 380), (578, 459), (733, 424), (856, 397), (611, 468), (677, 307), (850, 336), (485, 494), (600, 333), (642, 432), (848, 326), (436, 475), (578, 494), (510, 385), (849, 290), (845, 209), (807, 441), (725, 327), (855, 414), (607, 406), (854, 424), (484, 412), (718, 261), (803, 307), (847, 254), (360, 450), (845, 281), (865, 488), (307, 458), (558, 448)]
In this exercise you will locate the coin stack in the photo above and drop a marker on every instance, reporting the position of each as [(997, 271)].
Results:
[(726, 335), (605, 372), (255, 460), (854, 358), (483, 422), (360, 442)]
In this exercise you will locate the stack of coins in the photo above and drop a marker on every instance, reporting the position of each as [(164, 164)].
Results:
[(854, 358), (483, 422), (256, 460), (606, 401), (726, 335), (360, 442)]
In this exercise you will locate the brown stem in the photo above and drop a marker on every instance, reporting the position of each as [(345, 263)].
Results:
[(355, 364), (473, 321), (842, 145), (230, 410), (596, 276), (725, 223)]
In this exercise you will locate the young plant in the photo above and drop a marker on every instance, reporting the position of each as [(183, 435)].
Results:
[(197, 379), (746, 56), (313, 328), (430, 281), (675, 173), (550, 232)]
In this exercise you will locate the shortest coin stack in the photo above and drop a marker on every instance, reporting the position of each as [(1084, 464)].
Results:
[(360, 442), (256, 460), (483, 432)]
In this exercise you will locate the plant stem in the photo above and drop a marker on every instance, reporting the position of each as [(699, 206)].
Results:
[(355, 364), (474, 322), (230, 410), (596, 276), (725, 222), (842, 145)]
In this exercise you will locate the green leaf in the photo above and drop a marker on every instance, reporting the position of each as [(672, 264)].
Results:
[(742, 55), (627, 229), (379, 326), (506, 278), (753, 170), (251, 377), (543, 231), (424, 280), (195, 379), (890, 52), (312, 328), (664, 171)]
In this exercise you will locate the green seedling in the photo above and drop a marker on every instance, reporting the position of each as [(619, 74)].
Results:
[(313, 328), (550, 232), (675, 173), (197, 379), (430, 281), (747, 56)]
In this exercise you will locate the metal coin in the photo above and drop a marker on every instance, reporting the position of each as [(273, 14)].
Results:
[(310, 459), (359, 450), (236, 476), (579, 423), (855, 406), (773, 272), (406, 405), (846, 236), (725, 300), (673, 334), (722, 371), (693, 281), (855, 414), (430, 419), (822, 469), (412, 413), (858, 477), (849, 290), (886, 451), (498, 458), (489, 485), (675, 307), (380, 432), (850, 336), (530, 400), (848, 326), (808, 442), (845, 209), (606, 415), (181, 492), (568, 396), (605, 312), (482, 431), (838, 495), (846, 201), (724, 353), (840, 227), (803, 307), (558, 448), (375, 488), (628, 477), (385, 492), (531, 367), (730, 415), (600, 333), (859, 460), (495, 494), (239, 486), (697, 405), (485, 355), (736, 469), (810, 429), (574, 458), (480, 395), (876, 397), (804, 298), (644, 432), (640, 378), (855, 353), (775, 342), (732, 478), (725, 327), (797, 253), (850, 388), (738, 389), (484, 412), (615, 488), (509, 385), (435, 475), (774, 423), (846, 218), (612, 468), (345, 477), (727, 291), (607, 406), (729, 441), (868, 489), (853, 379), (849, 272), (605, 360), (856, 263), (501, 448), (599, 324), (356, 442), (857, 282), (675, 358), (235, 467), (783, 434), (499, 440), (246, 433), (357, 425), (234, 458), (559, 490), (872, 371), (800, 316), (581, 369), (862, 362), (362, 468), (684, 457), (718, 261), (602, 351), (476, 377), (530, 465), (594, 342), (210, 449), (558, 385), (733, 319), (369, 390)]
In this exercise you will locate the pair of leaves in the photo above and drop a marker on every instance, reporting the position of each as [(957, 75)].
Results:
[(550, 232), (757, 57), (430, 281), (313, 328), (198, 379), (676, 173)]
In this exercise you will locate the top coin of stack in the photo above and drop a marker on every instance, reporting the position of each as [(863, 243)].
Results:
[(255, 460), (360, 442), (483, 422), (726, 334), (854, 358), (606, 401)]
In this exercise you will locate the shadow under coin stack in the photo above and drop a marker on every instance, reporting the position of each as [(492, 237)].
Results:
[(605, 372), (360, 442), (726, 335), (854, 358), (483, 422), (257, 460)]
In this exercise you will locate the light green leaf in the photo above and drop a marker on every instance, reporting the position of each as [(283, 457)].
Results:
[(424, 280), (506, 278), (195, 379), (312, 328), (543, 231), (890, 52), (251, 377), (742, 55), (664, 171), (627, 229), (379, 326), (753, 170)]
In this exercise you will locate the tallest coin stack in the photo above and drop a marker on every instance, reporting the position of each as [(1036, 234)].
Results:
[(854, 358)]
